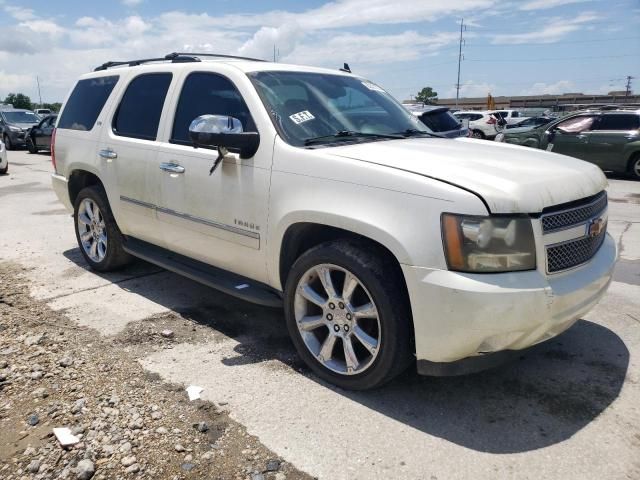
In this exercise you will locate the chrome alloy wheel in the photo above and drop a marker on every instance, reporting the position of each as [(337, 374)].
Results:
[(636, 167), (92, 230), (337, 319)]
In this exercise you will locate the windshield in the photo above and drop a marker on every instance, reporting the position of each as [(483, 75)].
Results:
[(306, 106), (20, 117)]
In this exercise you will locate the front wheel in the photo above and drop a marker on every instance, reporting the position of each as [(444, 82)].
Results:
[(31, 145), (98, 235), (7, 142), (477, 134), (348, 314), (634, 167)]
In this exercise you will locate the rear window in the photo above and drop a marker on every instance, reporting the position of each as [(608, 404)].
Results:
[(85, 103), (440, 121), (138, 114), (618, 122)]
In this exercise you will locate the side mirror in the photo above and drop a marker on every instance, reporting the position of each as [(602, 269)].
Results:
[(223, 132)]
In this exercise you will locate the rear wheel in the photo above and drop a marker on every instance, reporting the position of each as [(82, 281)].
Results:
[(348, 314), (634, 167), (98, 235), (477, 134)]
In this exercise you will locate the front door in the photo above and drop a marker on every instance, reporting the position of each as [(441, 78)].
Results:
[(220, 217), (43, 132), (569, 136)]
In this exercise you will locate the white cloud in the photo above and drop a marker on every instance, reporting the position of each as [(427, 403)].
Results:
[(472, 89), (545, 4), (19, 13), (554, 31), (541, 88), (131, 3), (43, 26), (14, 83)]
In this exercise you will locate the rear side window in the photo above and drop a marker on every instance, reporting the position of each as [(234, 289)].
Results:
[(138, 114), (618, 122), (208, 93), (86, 103)]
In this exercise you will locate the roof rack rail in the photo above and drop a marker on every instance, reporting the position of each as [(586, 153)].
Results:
[(175, 57)]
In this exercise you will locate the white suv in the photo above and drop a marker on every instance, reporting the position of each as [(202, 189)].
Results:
[(315, 190), (482, 125)]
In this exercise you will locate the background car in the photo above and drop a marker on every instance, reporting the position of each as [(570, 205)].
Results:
[(42, 112), (38, 137), (530, 123), (481, 124), (14, 123), (610, 139), (441, 121), (4, 162), (510, 116)]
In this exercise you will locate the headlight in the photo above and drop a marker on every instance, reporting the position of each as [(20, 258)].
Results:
[(488, 244), (15, 129)]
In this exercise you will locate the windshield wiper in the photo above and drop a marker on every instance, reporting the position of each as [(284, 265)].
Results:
[(350, 134), (412, 132)]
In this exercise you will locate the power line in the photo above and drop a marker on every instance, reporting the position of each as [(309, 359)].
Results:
[(549, 59)]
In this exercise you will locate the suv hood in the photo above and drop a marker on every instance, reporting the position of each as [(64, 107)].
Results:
[(509, 178)]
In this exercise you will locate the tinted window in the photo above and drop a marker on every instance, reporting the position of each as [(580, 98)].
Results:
[(515, 114), (440, 121), (576, 124), (618, 122), (86, 102), (139, 111), (208, 93)]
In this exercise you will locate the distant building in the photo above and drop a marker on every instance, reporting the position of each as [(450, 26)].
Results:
[(552, 102)]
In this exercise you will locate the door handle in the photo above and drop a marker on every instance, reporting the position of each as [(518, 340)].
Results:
[(108, 154), (171, 167)]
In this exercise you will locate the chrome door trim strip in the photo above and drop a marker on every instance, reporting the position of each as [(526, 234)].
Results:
[(209, 223)]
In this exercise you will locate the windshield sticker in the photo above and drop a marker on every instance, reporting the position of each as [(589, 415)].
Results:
[(301, 117), (373, 87)]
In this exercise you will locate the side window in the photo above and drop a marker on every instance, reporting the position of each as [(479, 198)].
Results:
[(85, 103), (208, 93), (475, 116), (618, 122), (515, 114), (576, 124), (138, 114)]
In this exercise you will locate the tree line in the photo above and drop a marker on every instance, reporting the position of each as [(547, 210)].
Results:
[(20, 100)]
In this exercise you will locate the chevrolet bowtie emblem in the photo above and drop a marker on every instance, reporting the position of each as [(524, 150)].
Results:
[(596, 227)]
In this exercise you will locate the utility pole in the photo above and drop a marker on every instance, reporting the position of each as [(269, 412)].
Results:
[(39, 95), (459, 61), (628, 86)]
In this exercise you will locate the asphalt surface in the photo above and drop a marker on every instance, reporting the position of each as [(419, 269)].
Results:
[(569, 409)]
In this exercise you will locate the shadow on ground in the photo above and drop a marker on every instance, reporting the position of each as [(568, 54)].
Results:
[(543, 398)]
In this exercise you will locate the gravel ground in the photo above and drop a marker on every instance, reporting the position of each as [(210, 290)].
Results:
[(54, 373)]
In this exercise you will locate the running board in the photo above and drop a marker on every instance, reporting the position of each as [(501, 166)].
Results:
[(227, 282)]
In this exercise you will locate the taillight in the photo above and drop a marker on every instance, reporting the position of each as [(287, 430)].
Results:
[(53, 150), (491, 121)]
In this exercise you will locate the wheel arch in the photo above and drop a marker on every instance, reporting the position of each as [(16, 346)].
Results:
[(633, 155), (79, 179)]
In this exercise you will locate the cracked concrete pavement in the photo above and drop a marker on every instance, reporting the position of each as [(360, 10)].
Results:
[(569, 409)]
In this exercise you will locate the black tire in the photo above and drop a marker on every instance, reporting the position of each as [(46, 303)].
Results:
[(634, 167), (5, 170), (384, 281), (477, 134), (31, 146), (7, 142), (115, 257)]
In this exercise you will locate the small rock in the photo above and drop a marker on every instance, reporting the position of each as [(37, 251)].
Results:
[(280, 476), (33, 420), (136, 424), (29, 452), (162, 430), (187, 467), (85, 469), (34, 466), (36, 375), (114, 400), (257, 476), (206, 456), (167, 333), (273, 465), (66, 362), (202, 427), (135, 468), (128, 461), (179, 448), (125, 447), (40, 393), (157, 415), (188, 458), (78, 406), (34, 339), (4, 364)]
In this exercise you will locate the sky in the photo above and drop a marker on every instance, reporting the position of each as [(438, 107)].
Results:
[(511, 47)]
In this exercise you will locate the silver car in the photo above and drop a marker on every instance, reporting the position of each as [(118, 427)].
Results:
[(4, 163)]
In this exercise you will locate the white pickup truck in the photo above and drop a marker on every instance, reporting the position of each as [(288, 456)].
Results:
[(316, 191)]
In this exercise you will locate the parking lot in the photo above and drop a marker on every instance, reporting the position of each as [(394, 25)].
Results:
[(568, 409)]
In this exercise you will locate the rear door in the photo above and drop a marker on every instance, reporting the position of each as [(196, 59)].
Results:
[(608, 138), (128, 152)]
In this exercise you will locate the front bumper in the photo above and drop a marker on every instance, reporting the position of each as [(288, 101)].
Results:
[(18, 139), (460, 315)]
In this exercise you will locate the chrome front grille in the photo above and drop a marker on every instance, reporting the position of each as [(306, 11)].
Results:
[(574, 216), (571, 252)]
